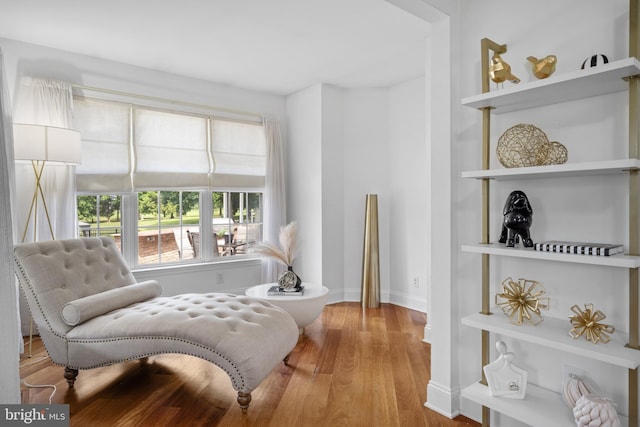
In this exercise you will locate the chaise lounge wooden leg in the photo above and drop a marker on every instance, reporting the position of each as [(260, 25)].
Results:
[(243, 401), (286, 359), (70, 375)]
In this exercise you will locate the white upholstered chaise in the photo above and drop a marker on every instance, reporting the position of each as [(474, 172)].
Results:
[(90, 312)]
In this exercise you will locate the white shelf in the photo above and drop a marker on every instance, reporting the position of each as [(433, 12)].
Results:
[(579, 84), (554, 333), (570, 169), (622, 261), (540, 407)]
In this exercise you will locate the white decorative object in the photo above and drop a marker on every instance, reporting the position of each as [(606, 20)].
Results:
[(503, 377), (574, 388), (304, 308), (591, 410), (288, 281)]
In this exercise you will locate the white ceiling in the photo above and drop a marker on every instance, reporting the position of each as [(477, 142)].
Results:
[(278, 46)]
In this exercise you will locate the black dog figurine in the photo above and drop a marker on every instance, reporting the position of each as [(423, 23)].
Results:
[(518, 217)]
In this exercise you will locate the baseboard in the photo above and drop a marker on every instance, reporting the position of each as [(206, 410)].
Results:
[(443, 400), (427, 333), (393, 297), (408, 301), (351, 295)]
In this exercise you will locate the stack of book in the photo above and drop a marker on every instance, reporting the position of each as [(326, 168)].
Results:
[(276, 291), (579, 248)]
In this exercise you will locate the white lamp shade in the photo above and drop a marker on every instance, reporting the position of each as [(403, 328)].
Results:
[(46, 143)]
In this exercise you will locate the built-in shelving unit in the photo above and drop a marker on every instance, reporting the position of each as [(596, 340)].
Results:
[(621, 261), (610, 167), (542, 407), (580, 84), (554, 333)]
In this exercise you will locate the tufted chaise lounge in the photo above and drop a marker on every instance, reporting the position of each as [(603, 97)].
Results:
[(90, 312)]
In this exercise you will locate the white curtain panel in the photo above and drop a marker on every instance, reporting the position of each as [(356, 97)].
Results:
[(48, 103), (10, 338), (275, 199)]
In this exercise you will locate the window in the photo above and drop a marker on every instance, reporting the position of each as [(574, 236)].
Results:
[(237, 221), (150, 177), (99, 215), (164, 217)]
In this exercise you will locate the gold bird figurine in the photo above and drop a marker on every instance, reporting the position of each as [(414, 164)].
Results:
[(500, 71), (543, 68)]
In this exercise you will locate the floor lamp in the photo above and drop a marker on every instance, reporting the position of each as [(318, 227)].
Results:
[(43, 145)]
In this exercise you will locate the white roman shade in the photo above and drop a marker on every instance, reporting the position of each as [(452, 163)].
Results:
[(170, 151), (106, 162), (128, 148), (240, 155)]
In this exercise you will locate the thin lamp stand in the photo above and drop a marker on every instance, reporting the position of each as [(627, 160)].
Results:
[(38, 170)]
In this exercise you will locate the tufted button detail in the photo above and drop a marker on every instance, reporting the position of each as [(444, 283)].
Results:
[(64, 286)]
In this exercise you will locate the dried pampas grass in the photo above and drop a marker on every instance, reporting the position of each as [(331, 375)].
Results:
[(288, 245)]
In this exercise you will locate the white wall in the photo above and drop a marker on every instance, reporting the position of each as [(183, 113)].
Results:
[(366, 151), (304, 182), (332, 200), (583, 209), (408, 194), (23, 59), (344, 144)]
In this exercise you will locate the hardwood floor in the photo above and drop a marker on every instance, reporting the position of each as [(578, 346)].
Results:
[(352, 367)]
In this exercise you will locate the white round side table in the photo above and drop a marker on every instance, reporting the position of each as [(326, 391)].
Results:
[(303, 308)]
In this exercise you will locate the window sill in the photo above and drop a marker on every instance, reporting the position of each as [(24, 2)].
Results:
[(201, 265)]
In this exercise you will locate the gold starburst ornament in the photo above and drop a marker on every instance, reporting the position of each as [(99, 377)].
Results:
[(587, 323), (522, 300)]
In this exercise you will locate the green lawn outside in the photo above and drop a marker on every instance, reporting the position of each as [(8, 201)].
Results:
[(193, 217)]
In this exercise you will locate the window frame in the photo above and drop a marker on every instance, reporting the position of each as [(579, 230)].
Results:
[(129, 242), (129, 199)]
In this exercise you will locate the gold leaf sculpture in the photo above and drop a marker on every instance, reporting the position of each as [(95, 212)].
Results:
[(543, 68), (587, 323), (522, 300), (500, 71)]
